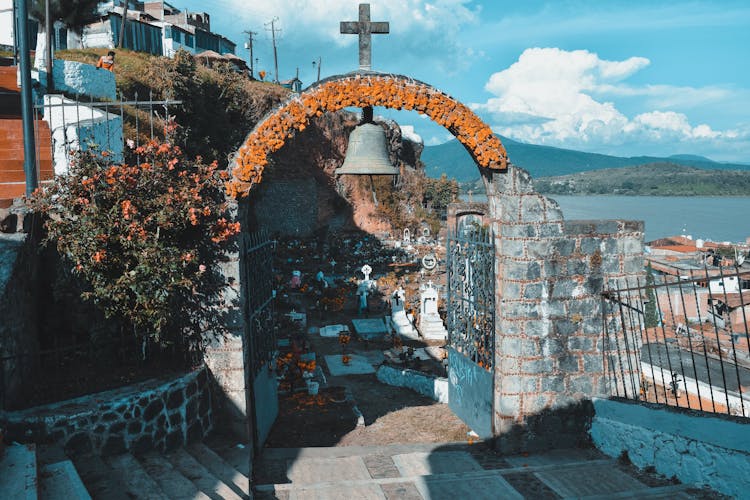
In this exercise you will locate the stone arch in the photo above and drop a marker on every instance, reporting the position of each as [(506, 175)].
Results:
[(360, 90)]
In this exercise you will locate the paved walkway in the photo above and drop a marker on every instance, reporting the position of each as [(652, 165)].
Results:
[(451, 472)]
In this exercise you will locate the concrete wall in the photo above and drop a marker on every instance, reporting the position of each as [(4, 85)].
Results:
[(422, 383), (550, 274), (161, 414), (82, 79), (75, 126), (6, 22), (692, 446)]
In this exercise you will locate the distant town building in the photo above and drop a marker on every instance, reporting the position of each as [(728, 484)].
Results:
[(157, 28)]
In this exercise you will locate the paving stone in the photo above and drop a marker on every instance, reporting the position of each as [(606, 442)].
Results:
[(529, 486), (316, 470), (101, 480), (553, 457), (357, 365), (587, 480), (363, 492), (380, 466), (18, 473), (452, 488), (440, 462), (401, 491)]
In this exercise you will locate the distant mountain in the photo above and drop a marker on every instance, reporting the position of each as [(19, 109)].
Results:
[(545, 161), (655, 179)]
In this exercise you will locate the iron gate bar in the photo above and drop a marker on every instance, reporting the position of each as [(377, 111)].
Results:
[(258, 306), (471, 292)]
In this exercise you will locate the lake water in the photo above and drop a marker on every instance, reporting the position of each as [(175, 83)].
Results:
[(706, 217)]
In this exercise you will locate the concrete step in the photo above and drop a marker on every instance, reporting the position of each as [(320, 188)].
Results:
[(169, 479), (60, 481), (229, 475), (203, 479), (232, 450), (101, 480), (18, 472), (138, 482)]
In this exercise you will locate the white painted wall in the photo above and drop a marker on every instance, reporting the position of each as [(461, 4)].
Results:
[(695, 448), (6, 22), (83, 79), (79, 127)]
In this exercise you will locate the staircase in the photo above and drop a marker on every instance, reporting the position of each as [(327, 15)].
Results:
[(12, 177), (452, 472), (215, 469)]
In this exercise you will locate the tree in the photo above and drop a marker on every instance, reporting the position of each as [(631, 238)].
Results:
[(440, 192), (147, 239), (651, 316), (73, 14)]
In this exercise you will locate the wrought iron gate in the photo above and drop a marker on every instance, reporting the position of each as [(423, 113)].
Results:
[(471, 326), (260, 337)]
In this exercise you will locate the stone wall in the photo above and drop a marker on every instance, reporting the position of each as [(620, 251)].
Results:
[(288, 206), (425, 384), (550, 274), (19, 315), (159, 414), (692, 446), (458, 211)]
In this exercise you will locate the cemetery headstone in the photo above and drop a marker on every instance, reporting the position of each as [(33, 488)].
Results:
[(430, 324), (399, 319), (407, 236)]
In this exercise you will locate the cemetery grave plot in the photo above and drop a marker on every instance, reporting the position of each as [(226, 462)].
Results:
[(391, 414)]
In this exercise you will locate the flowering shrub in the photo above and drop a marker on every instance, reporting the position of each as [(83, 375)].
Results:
[(359, 91), (146, 239)]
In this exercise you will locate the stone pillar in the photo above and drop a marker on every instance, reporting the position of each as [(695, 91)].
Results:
[(549, 335), (225, 355)]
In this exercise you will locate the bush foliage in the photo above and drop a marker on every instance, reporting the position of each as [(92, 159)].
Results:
[(147, 238)]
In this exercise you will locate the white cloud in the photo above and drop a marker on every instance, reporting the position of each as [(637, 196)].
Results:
[(557, 97), (408, 132), (423, 29)]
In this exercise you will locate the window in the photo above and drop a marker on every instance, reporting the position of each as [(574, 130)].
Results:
[(189, 40), (167, 32)]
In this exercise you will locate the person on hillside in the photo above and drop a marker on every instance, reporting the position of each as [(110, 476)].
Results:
[(107, 62)]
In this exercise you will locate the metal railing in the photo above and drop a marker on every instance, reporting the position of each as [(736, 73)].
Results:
[(108, 125), (681, 342)]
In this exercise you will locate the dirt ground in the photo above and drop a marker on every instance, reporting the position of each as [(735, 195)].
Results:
[(392, 415)]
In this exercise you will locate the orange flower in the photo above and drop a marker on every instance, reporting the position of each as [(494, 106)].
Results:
[(99, 256)]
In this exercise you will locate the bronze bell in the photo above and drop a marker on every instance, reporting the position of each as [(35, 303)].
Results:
[(367, 152)]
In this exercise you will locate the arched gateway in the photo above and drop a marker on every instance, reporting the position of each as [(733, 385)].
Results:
[(361, 89), (528, 379)]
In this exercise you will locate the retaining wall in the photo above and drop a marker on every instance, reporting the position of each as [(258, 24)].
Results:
[(692, 446), (158, 414), (426, 385)]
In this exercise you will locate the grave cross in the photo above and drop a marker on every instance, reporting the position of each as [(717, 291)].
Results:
[(364, 28)]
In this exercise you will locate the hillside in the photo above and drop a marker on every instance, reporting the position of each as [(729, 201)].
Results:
[(544, 161), (656, 179)]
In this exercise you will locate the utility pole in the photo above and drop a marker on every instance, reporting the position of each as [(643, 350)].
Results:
[(29, 149), (318, 63), (275, 55), (122, 25), (249, 45)]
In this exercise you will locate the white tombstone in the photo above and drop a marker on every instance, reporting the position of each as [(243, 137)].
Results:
[(430, 324), (407, 236), (366, 270), (400, 321)]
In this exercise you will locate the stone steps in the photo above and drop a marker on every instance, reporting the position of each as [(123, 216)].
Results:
[(446, 471), (196, 471)]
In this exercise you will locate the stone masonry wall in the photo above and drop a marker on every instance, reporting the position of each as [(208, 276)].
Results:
[(156, 414), (550, 274)]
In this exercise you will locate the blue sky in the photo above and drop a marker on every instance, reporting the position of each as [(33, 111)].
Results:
[(617, 77)]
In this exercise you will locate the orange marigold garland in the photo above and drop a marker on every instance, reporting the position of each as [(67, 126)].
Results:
[(388, 91)]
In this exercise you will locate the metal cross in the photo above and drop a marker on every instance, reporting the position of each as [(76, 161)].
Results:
[(364, 28)]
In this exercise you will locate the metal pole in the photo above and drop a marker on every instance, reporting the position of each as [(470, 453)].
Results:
[(48, 48), (29, 152)]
